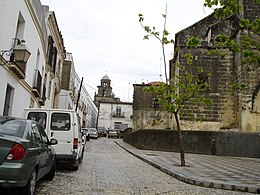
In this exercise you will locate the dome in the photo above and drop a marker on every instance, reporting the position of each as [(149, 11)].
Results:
[(105, 77)]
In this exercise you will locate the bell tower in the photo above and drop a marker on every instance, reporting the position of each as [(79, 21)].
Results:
[(105, 93), (105, 90)]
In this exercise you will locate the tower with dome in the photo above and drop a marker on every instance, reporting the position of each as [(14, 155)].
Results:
[(105, 93), (112, 113)]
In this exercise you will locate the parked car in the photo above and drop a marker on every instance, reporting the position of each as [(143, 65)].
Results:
[(112, 133), (86, 133), (93, 133), (102, 132), (65, 126), (26, 154)]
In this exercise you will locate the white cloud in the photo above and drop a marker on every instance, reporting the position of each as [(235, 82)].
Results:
[(105, 37)]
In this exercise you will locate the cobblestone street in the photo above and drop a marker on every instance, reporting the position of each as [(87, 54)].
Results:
[(109, 169)]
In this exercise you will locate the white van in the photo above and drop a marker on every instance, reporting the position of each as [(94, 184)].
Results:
[(63, 125)]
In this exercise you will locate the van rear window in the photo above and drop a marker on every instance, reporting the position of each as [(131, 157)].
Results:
[(60, 122), (39, 117)]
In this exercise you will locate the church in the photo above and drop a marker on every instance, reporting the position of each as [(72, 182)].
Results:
[(112, 113)]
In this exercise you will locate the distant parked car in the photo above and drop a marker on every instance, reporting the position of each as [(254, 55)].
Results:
[(112, 133), (26, 154), (93, 133), (102, 132), (86, 133)]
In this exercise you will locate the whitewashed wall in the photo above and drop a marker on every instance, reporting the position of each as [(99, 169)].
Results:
[(107, 110), (35, 42)]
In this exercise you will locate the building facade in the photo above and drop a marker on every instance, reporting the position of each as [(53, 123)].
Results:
[(33, 78), (56, 54), (147, 113), (22, 27), (115, 115), (112, 113), (74, 94), (231, 110)]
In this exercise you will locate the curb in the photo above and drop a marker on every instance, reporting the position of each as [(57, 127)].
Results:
[(196, 181)]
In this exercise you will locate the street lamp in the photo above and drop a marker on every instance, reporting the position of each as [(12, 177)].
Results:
[(18, 53), (18, 57)]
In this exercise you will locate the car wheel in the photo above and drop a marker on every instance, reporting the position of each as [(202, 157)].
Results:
[(30, 187), (75, 165), (51, 174)]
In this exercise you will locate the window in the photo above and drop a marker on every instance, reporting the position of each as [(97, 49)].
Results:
[(8, 100), (14, 127), (39, 117), (60, 122), (51, 54), (203, 80), (118, 111), (156, 103)]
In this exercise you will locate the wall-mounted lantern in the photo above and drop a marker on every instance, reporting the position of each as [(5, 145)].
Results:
[(19, 56), (20, 52)]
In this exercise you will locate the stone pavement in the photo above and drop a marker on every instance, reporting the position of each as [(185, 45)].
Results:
[(223, 172)]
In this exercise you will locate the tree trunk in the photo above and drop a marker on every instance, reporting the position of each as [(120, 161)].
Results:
[(180, 140)]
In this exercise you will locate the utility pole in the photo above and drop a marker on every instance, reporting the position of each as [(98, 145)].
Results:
[(79, 94)]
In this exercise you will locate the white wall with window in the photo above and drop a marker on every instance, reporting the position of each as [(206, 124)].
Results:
[(115, 115)]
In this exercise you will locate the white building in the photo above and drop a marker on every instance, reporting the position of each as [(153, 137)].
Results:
[(36, 80), (21, 81), (115, 115), (68, 99), (112, 113), (55, 58)]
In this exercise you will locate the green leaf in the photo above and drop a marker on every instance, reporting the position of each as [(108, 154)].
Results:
[(193, 42)]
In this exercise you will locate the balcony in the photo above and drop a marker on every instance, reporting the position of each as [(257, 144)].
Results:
[(37, 84), (18, 69), (118, 114)]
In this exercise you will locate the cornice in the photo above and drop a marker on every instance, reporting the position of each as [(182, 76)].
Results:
[(53, 25)]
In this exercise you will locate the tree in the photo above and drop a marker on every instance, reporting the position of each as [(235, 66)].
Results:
[(184, 90), (188, 89)]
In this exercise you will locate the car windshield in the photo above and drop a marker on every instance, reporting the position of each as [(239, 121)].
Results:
[(92, 129), (14, 127)]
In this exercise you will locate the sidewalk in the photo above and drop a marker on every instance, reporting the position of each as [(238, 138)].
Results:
[(224, 172)]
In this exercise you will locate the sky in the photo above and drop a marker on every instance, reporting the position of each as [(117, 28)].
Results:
[(106, 38)]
